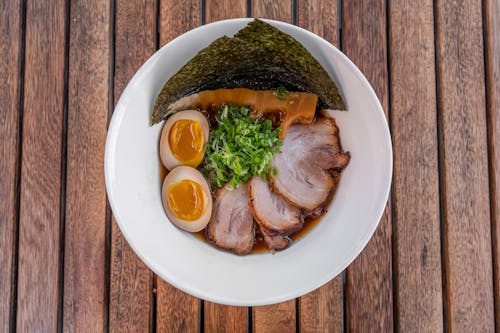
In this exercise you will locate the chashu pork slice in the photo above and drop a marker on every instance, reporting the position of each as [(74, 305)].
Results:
[(271, 211), (307, 155), (231, 226), (276, 242)]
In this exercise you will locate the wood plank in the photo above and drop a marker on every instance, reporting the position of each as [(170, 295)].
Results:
[(131, 282), (416, 189), (278, 317), (369, 277), (39, 222), (467, 233), (225, 319), (177, 18), (323, 309), (492, 31), (176, 311), (10, 44), (275, 318), (274, 10), (216, 10), (221, 318), (320, 17), (85, 290)]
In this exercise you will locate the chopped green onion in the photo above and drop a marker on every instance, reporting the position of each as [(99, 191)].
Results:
[(240, 147)]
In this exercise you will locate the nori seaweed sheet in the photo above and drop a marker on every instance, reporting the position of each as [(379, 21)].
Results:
[(258, 57)]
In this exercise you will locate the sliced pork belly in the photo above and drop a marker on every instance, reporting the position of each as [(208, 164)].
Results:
[(271, 211), (231, 226), (277, 242), (307, 155)]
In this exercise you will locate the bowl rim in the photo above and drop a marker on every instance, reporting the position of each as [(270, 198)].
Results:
[(111, 141)]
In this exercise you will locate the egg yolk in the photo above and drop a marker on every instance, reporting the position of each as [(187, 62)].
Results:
[(186, 142), (186, 200)]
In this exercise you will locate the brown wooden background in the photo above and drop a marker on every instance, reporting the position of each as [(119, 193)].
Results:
[(433, 263)]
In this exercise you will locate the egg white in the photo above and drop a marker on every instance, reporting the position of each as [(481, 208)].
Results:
[(187, 173), (167, 157)]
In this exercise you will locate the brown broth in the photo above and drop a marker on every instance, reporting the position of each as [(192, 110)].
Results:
[(201, 235), (163, 173)]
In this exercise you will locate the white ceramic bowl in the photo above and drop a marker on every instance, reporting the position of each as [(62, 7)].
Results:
[(198, 268)]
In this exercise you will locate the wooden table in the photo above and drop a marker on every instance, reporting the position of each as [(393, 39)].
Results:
[(433, 263)]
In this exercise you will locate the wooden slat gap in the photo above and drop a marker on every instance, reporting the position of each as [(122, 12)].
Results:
[(249, 309), (158, 21), (249, 14), (109, 213), (201, 316), (297, 315), (20, 102), (203, 16), (441, 173), (391, 199), (345, 307), (294, 12), (489, 136), (64, 160), (340, 23), (152, 306)]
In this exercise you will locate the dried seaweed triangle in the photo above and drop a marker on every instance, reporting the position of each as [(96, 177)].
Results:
[(258, 57)]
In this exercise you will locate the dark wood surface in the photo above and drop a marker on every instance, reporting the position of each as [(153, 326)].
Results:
[(492, 32), (433, 263), (86, 248), (39, 300), (11, 30), (464, 167), (417, 269)]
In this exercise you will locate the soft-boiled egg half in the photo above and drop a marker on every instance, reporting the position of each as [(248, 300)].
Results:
[(183, 139), (186, 198)]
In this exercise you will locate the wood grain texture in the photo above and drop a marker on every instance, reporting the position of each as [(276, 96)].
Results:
[(416, 173), (320, 17), (216, 10), (225, 319), (178, 17), (369, 277), (323, 309), (221, 318), (278, 317), (492, 33), (176, 311), (275, 10), (467, 233), (39, 224), (85, 291), (131, 281), (10, 44)]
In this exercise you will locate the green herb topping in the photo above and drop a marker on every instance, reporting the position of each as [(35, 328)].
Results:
[(240, 147), (281, 93)]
